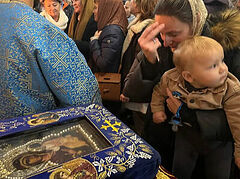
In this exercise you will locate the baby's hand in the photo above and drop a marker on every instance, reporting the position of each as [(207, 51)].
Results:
[(124, 99), (237, 161), (159, 117)]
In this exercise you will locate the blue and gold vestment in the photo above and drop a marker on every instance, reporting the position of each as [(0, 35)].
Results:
[(40, 66)]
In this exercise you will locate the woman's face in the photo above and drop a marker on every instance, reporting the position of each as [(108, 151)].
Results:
[(52, 7), (32, 160), (127, 8), (175, 31), (77, 5), (95, 11), (134, 8)]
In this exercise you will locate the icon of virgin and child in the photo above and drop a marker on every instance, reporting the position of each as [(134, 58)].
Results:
[(57, 150)]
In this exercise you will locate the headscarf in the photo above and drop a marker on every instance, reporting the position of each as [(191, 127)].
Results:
[(85, 15), (199, 13), (111, 12)]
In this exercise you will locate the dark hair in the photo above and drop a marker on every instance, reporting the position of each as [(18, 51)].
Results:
[(180, 9), (60, 1), (146, 8)]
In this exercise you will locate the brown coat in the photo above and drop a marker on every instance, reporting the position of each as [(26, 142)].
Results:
[(227, 96)]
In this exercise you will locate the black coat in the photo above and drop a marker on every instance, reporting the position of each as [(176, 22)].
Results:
[(129, 56), (84, 44), (68, 11)]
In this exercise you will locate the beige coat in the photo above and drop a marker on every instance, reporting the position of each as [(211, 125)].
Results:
[(227, 96)]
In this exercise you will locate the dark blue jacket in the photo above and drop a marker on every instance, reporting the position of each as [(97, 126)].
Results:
[(106, 50)]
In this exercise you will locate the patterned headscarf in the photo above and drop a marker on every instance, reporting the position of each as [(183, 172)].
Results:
[(200, 13), (85, 15), (111, 12)]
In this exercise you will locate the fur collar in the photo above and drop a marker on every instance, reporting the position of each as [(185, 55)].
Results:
[(225, 28)]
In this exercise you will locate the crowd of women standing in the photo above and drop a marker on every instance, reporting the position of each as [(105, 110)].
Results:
[(142, 51)]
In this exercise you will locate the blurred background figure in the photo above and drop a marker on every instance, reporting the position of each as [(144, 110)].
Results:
[(127, 7), (106, 44), (143, 11), (82, 25), (215, 6), (237, 4), (53, 12), (38, 6), (67, 8)]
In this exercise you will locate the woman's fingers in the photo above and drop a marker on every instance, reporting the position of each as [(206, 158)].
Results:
[(149, 43), (152, 31), (172, 102), (124, 98)]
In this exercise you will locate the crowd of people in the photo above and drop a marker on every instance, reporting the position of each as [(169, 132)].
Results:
[(179, 62)]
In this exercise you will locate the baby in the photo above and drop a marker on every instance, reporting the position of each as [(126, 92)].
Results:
[(202, 81)]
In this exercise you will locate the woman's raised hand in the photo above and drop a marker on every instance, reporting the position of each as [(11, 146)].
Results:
[(149, 43)]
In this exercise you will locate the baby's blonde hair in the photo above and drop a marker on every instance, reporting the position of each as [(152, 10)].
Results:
[(189, 49)]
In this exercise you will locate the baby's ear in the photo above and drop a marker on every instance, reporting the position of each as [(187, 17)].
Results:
[(187, 76)]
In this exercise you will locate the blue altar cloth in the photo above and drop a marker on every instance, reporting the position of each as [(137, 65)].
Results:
[(127, 156)]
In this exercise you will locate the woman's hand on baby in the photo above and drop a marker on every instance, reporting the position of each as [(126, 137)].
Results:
[(172, 103), (159, 117), (149, 43)]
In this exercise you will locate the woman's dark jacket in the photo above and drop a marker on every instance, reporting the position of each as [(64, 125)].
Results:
[(214, 6), (129, 56), (106, 50), (68, 11), (83, 45)]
